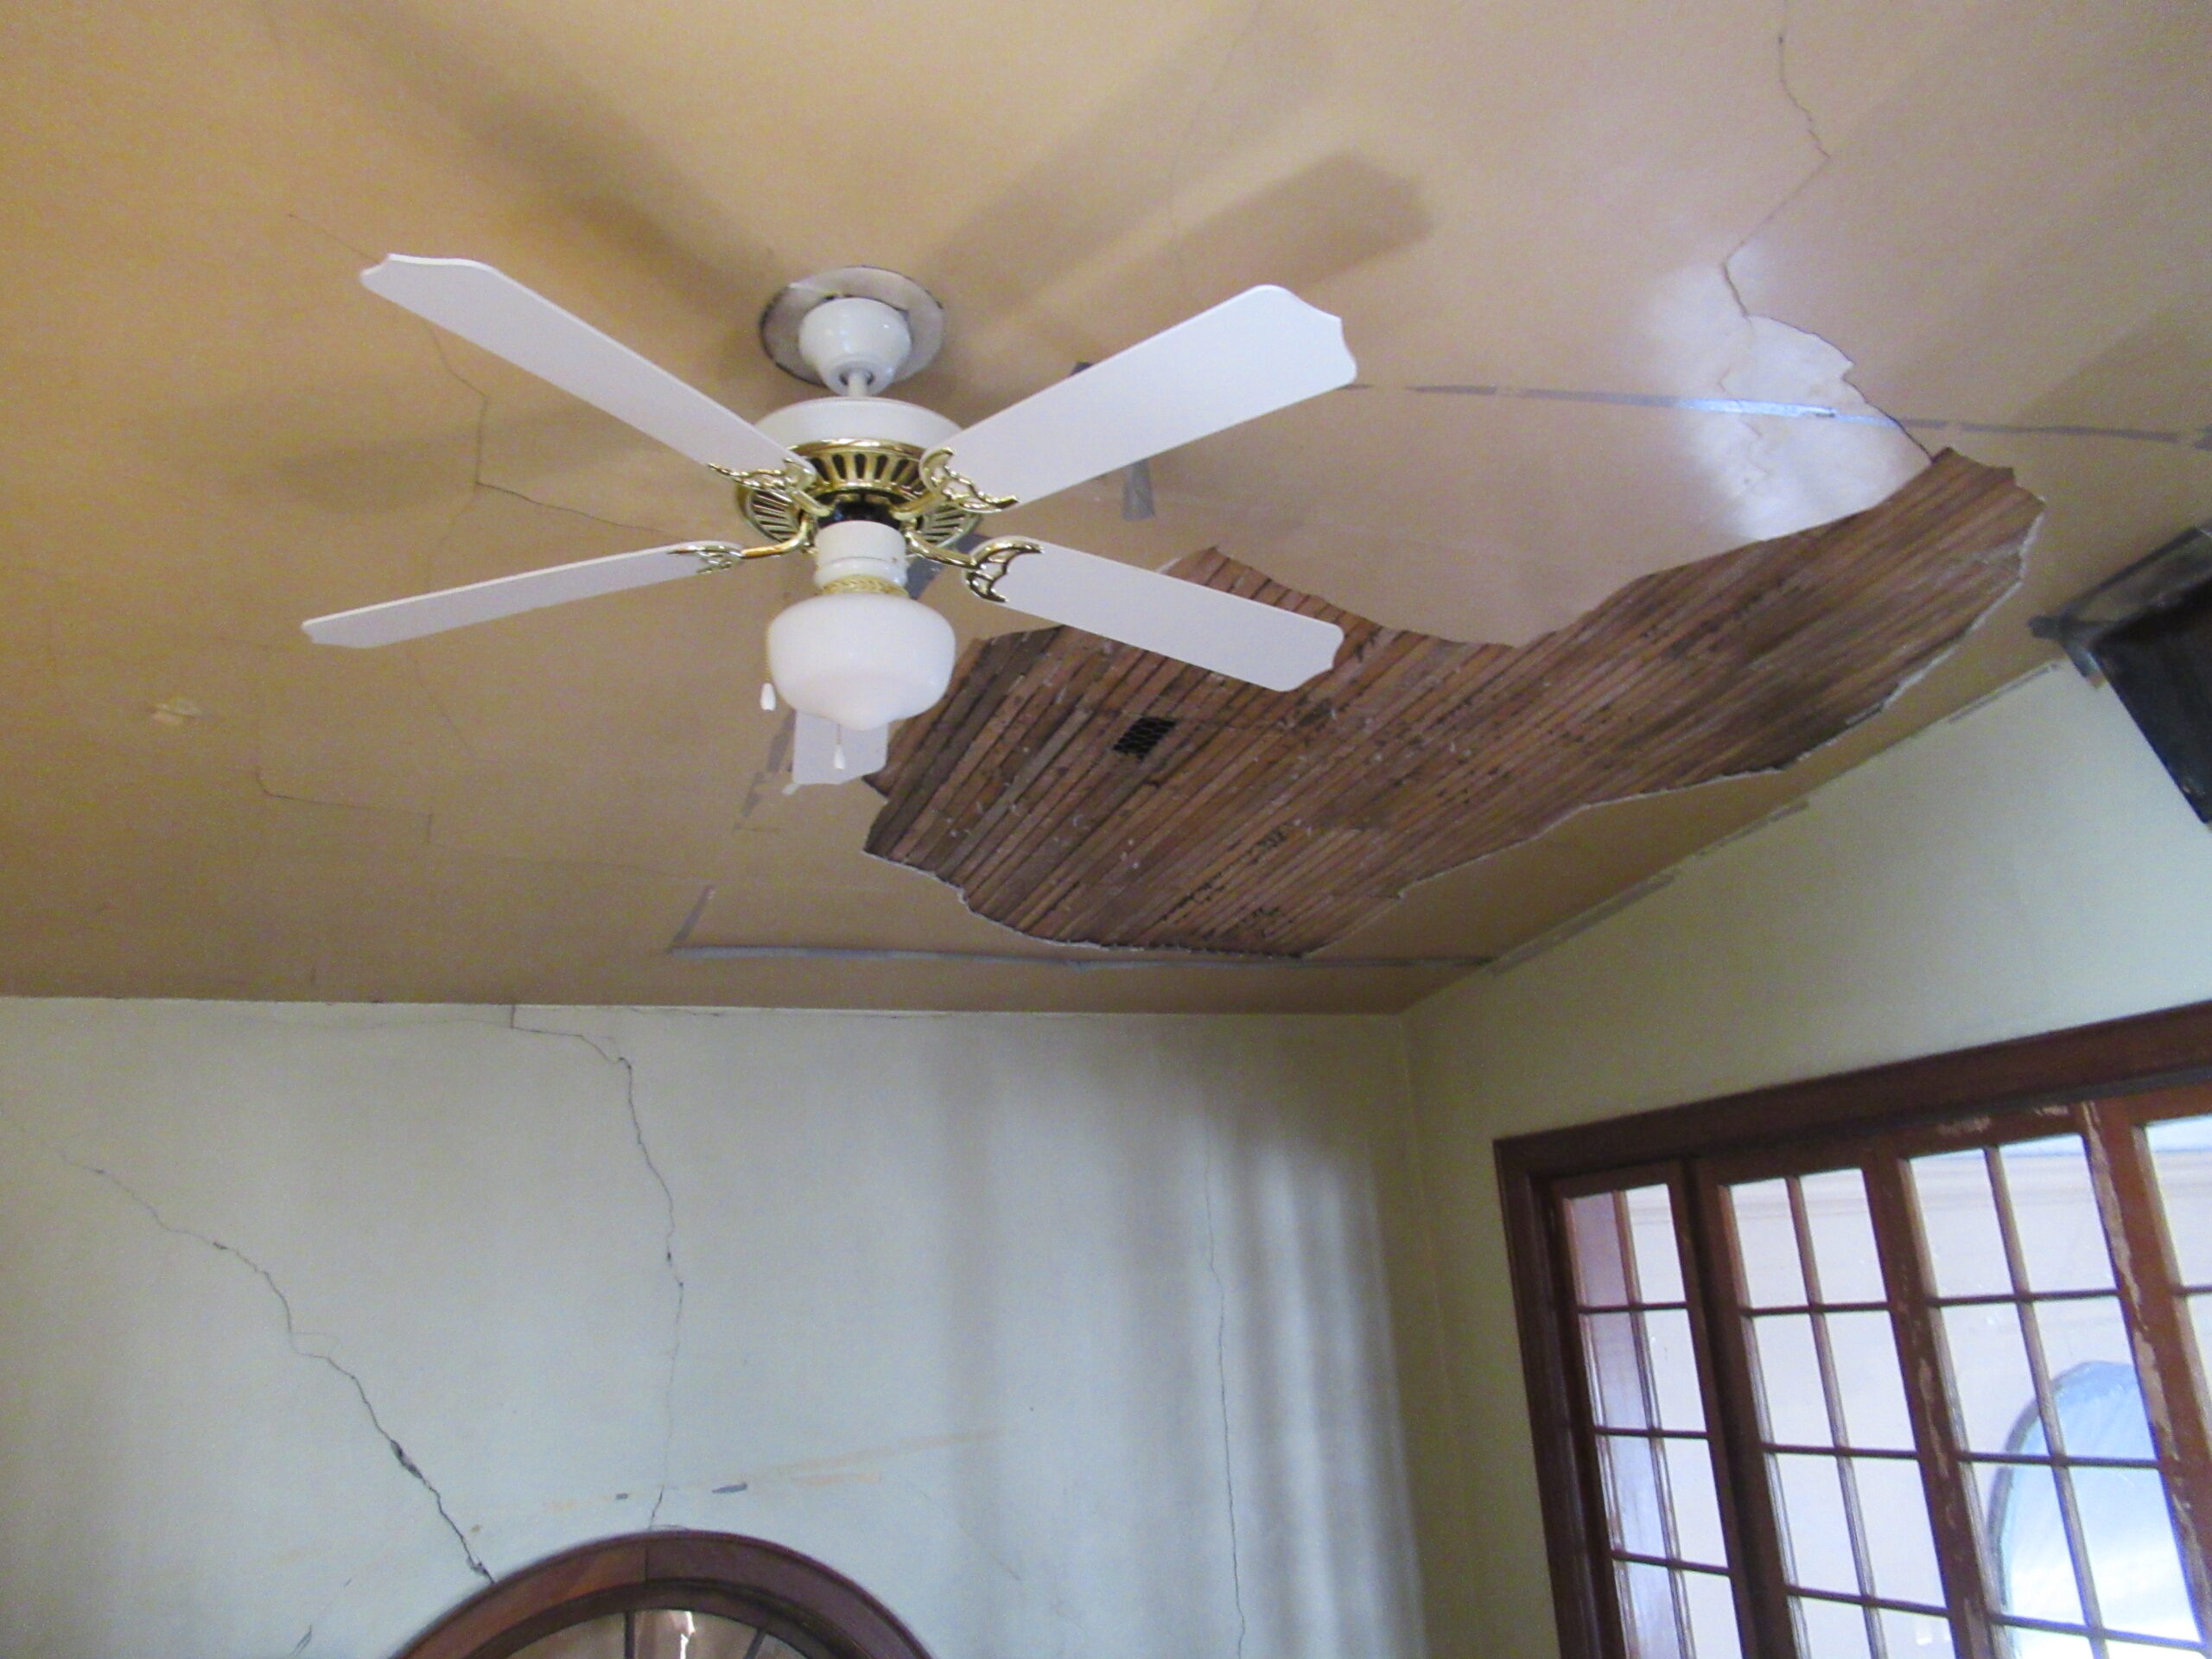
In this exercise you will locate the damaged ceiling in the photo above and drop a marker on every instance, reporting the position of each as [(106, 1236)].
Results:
[(1083, 791), (1629, 290)]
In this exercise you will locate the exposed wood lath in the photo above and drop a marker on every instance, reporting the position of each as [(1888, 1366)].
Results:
[(1078, 789)]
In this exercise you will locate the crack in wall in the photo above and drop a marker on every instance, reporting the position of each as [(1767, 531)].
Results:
[(292, 1340), (1221, 1379), (1782, 74), (613, 1054)]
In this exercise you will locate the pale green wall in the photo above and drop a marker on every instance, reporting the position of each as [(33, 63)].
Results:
[(1062, 1334), (2024, 867)]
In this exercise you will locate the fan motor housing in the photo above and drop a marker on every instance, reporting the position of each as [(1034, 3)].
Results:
[(867, 453)]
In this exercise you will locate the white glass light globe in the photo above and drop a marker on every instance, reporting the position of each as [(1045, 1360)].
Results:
[(862, 660)]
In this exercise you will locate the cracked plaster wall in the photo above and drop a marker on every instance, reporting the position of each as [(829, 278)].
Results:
[(2024, 867), (1061, 1334)]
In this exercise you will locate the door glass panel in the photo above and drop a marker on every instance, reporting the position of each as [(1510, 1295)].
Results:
[(1616, 1369), (1673, 1370), (2050, 1644), (2181, 1162), (1647, 1607), (2054, 1214), (1916, 1635), (1830, 1629), (1766, 1244), (1632, 1495), (2132, 1560), (1697, 1510), (2034, 1570), (1900, 1548), (1600, 1265), (2085, 1354), (1660, 1497), (1789, 1380), (1658, 1258), (1958, 1219), (1711, 1602), (1869, 1381), (1809, 1493), (1844, 1258), (1989, 1372)]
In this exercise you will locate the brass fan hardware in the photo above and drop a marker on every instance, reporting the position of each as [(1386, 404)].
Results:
[(918, 493)]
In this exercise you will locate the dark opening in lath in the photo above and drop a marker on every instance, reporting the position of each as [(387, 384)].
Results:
[(1143, 736)]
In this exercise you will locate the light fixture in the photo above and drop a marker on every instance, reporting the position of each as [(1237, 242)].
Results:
[(859, 653)]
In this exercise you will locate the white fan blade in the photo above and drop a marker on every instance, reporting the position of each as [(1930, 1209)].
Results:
[(818, 745), (1261, 352), (1241, 637), (491, 309), (481, 601)]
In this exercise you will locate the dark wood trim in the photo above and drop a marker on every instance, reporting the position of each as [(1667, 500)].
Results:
[(1543, 1307), (1762, 1607), (1926, 1367), (2143, 1264), (813, 1607), (2060, 1069), (2173, 1046)]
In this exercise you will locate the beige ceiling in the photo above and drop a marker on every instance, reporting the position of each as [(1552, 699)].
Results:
[(1551, 230)]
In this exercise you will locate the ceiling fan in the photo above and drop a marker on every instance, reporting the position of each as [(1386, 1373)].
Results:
[(865, 484)]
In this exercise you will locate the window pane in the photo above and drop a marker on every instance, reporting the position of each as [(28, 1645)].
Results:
[(2181, 1156), (598, 1638), (2055, 1215), (660, 1634), (1648, 1609), (1844, 1258), (1869, 1381), (1900, 1548), (1809, 1490), (1632, 1495), (1766, 1242), (1712, 1604), (1916, 1635), (1696, 1509), (1795, 1410), (1673, 1370), (2034, 1572), (1830, 1629), (1616, 1373), (2048, 1645), (2200, 1315), (1958, 1217), (1600, 1271), (1989, 1371), (2132, 1560), (1658, 1257), (2085, 1350)]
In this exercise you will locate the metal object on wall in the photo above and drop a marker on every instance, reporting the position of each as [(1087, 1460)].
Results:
[(2148, 631)]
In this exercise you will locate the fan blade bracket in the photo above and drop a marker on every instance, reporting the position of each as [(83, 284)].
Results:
[(983, 567)]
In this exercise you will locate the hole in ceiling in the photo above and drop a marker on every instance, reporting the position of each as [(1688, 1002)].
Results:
[(1143, 736), (1292, 817)]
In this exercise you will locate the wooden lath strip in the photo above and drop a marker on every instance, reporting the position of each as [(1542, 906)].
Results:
[(1277, 821)]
